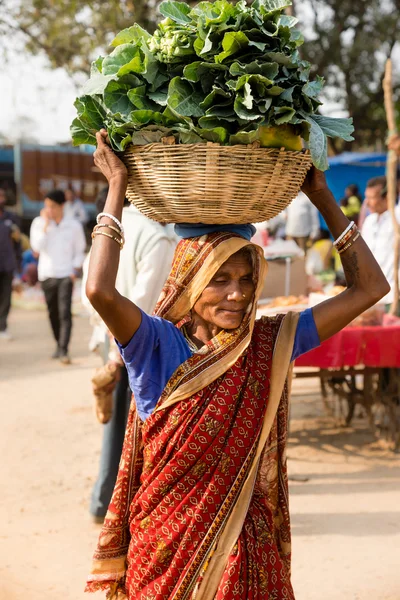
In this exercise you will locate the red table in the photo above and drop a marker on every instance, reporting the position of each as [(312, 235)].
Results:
[(373, 353), (368, 346)]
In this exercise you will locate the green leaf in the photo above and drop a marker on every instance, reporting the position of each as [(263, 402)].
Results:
[(171, 117), (281, 58), (243, 137), (222, 112), (269, 7), (287, 21), (318, 145), (275, 90), (312, 89), (150, 135), (146, 117), (259, 84), (126, 58), (177, 11), (153, 71), (160, 97), (287, 95), (96, 66), (297, 37), (184, 99), (139, 98), (243, 108), (116, 97), (97, 84), (130, 35), (333, 127), (232, 43), (259, 45), (218, 135), (91, 112), (207, 46), (268, 70), (191, 72), (283, 114), (81, 134), (214, 122), (187, 136), (214, 97)]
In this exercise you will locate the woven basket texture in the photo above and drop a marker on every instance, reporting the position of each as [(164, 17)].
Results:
[(209, 183)]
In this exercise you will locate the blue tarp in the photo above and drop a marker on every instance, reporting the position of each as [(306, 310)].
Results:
[(354, 167)]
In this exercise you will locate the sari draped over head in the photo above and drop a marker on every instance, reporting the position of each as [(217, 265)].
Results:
[(200, 506)]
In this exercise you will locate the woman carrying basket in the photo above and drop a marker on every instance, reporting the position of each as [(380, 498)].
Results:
[(200, 507)]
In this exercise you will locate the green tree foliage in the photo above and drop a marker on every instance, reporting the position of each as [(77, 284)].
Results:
[(72, 32), (348, 42)]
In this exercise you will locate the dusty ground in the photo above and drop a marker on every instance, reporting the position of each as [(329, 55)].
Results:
[(346, 516)]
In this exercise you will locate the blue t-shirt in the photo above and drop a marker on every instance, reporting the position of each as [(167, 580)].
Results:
[(158, 348)]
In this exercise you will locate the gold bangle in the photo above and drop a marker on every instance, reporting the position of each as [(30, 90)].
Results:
[(349, 244), (96, 228), (112, 237)]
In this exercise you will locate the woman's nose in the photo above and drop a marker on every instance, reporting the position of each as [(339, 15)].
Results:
[(235, 292)]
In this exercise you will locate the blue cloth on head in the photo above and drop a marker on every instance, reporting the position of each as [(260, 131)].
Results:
[(189, 230)]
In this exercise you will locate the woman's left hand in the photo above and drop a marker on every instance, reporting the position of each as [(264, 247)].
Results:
[(107, 161), (314, 183)]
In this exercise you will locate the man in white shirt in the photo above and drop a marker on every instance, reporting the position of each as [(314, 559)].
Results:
[(302, 221), (377, 229), (144, 265), (74, 208), (61, 245)]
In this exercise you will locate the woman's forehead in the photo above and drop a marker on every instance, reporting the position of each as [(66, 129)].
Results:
[(240, 260)]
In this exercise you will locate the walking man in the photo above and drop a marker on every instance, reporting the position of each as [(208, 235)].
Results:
[(61, 244), (378, 231), (9, 245), (144, 265), (302, 221)]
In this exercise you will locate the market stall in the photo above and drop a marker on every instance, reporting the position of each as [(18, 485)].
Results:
[(360, 365)]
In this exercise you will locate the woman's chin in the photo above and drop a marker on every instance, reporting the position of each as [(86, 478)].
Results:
[(230, 321)]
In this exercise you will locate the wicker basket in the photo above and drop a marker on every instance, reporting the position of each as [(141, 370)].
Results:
[(209, 183)]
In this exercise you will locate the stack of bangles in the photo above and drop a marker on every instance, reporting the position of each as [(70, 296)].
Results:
[(119, 230), (347, 238)]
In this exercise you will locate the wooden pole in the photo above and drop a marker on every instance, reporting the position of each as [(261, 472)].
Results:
[(391, 175)]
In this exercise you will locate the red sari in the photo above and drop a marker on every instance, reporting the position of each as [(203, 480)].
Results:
[(200, 507)]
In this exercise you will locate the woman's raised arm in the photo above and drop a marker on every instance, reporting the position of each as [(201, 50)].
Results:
[(366, 284), (121, 316)]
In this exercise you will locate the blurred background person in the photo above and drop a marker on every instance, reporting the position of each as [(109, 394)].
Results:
[(74, 208), (10, 252), (351, 203), (29, 267), (302, 221), (60, 243), (378, 231), (144, 265)]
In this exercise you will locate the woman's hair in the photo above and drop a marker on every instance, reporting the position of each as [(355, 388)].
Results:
[(250, 255), (353, 189)]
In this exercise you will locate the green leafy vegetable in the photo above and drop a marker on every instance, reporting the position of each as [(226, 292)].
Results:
[(230, 74)]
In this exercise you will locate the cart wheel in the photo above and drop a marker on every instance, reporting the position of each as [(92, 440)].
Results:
[(387, 408)]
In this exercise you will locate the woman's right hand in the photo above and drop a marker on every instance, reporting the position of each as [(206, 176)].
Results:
[(107, 161)]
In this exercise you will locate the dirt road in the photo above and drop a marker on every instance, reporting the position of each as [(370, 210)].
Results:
[(346, 517)]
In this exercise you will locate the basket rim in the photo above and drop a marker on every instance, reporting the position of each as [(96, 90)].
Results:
[(133, 148)]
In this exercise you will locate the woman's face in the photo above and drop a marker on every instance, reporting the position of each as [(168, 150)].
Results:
[(226, 298)]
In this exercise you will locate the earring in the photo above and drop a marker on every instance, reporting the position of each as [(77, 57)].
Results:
[(244, 295)]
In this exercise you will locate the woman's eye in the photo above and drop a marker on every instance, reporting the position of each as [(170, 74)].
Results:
[(219, 280)]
